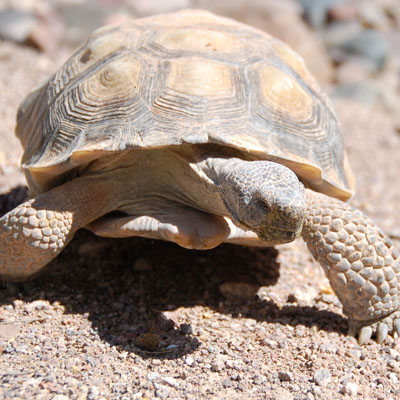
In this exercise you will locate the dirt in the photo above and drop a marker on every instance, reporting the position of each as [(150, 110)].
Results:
[(136, 319)]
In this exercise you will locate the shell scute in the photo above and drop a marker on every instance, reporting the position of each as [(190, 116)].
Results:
[(186, 77)]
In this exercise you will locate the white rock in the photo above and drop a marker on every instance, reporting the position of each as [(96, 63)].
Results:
[(189, 361), (393, 377), (169, 380), (350, 388), (38, 305), (322, 376)]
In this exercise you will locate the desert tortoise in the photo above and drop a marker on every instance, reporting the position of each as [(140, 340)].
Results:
[(196, 129)]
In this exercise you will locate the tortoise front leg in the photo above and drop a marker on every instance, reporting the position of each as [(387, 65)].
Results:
[(33, 233), (360, 262)]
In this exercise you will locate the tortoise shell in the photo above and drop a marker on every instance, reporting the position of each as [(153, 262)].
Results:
[(189, 77)]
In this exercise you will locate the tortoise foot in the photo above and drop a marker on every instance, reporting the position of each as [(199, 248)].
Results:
[(380, 330), (361, 263)]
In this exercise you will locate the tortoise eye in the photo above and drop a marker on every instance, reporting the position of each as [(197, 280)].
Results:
[(263, 205)]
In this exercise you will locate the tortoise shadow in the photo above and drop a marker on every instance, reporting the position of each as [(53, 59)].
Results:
[(131, 290)]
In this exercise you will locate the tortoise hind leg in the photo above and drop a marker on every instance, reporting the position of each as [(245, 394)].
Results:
[(33, 233), (360, 262)]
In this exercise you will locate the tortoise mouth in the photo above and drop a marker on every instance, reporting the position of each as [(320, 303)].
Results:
[(277, 235)]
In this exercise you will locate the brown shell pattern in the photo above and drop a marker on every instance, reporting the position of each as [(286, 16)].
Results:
[(186, 77)]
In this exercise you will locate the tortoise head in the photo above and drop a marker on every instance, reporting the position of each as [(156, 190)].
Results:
[(264, 197)]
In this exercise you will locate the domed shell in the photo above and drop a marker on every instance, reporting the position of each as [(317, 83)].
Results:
[(187, 77)]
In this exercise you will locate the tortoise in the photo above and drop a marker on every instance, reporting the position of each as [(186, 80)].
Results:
[(200, 130)]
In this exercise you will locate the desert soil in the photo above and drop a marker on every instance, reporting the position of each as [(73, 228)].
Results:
[(136, 319)]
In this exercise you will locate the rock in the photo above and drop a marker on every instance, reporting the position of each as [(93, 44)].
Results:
[(370, 44), (372, 14), (169, 380), (339, 32), (350, 388), (186, 329), (285, 376), (305, 295), (217, 366), (346, 39), (189, 361), (227, 383), (153, 376), (322, 376), (38, 305), (316, 11), (16, 25), (93, 393), (162, 391)]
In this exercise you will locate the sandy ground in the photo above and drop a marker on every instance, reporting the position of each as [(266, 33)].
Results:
[(136, 319)]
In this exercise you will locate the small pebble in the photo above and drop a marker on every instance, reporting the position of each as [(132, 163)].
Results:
[(169, 380), (370, 44), (16, 25), (285, 376), (93, 393), (217, 366), (38, 305), (316, 11), (322, 376), (153, 376), (186, 329), (189, 361), (350, 388), (162, 391), (227, 383), (393, 377)]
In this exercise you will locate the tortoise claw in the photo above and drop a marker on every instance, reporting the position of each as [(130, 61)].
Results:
[(396, 326), (381, 332), (364, 335), (388, 326)]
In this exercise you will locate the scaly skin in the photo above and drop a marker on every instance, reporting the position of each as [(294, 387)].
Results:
[(360, 262), (30, 237), (33, 233)]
